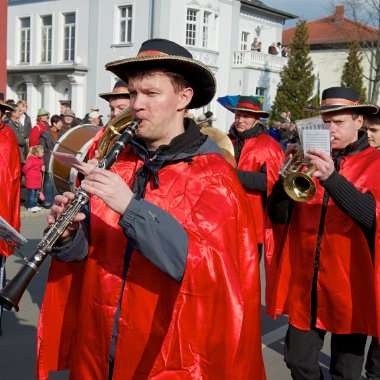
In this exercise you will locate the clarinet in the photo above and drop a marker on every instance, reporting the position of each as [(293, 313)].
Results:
[(12, 293)]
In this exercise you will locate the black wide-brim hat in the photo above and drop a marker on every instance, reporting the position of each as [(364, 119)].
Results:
[(5, 107), (119, 89), (164, 54), (342, 98), (250, 104)]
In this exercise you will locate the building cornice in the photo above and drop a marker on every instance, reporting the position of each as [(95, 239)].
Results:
[(47, 69)]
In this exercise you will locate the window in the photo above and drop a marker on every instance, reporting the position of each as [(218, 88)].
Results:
[(244, 41), (69, 37), (260, 91), (21, 92), (125, 24), (206, 27), (201, 28), (25, 40), (46, 38), (191, 27)]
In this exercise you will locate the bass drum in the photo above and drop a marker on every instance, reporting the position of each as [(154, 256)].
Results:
[(76, 142)]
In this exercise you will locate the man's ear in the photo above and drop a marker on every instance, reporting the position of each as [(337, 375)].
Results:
[(359, 122), (185, 97)]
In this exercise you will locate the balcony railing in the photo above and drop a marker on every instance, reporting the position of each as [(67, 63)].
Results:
[(256, 60)]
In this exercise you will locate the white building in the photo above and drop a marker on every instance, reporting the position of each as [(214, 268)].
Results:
[(329, 39), (57, 49)]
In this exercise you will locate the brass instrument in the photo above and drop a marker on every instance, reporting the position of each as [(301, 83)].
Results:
[(113, 129), (11, 294), (297, 177), (223, 142)]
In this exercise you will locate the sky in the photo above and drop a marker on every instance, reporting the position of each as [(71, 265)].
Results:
[(305, 9)]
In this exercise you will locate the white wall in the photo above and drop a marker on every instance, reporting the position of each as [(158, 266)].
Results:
[(96, 29), (330, 65)]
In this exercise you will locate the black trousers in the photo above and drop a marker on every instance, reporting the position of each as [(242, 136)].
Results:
[(372, 365), (302, 354)]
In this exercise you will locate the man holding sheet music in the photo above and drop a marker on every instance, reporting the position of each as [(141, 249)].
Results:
[(324, 276), (10, 175)]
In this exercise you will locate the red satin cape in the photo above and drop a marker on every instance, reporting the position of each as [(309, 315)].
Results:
[(10, 172), (207, 326), (346, 277), (256, 152)]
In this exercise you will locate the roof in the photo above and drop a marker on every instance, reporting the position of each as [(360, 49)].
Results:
[(260, 5), (334, 29)]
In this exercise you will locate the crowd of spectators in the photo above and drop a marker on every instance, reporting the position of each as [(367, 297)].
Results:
[(46, 131)]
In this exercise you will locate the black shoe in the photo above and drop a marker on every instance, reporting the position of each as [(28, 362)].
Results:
[(46, 205)]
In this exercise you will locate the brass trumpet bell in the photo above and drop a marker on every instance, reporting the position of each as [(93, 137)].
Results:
[(297, 178), (300, 186)]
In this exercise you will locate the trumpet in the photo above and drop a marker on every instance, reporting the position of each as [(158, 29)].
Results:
[(297, 177), (12, 293)]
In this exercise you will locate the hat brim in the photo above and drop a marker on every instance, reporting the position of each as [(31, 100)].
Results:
[(365, 108), (264, 114), (200, 77), (5, 107), (108, 95)]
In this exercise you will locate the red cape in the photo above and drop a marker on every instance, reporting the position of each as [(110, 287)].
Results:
[(207, 326), (256, 152), (10, 172), (345, 285)]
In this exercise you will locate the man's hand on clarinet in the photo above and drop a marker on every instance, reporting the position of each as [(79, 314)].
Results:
[(109, 187), (60, 202)]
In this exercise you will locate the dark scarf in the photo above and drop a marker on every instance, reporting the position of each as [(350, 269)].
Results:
[(240, 137), (181, 148)]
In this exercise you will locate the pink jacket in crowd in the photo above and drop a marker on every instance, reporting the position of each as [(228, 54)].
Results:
[(33, 172)]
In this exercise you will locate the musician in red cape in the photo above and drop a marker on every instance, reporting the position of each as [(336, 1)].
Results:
[(169, 286), (257, 154), (10, 176), (118, 101), (324, 279)]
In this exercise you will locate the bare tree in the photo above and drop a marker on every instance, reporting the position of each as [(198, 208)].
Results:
[(366, 17)]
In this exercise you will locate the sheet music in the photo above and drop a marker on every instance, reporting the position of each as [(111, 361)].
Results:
[(313, 133), (9, 234), (65, 159)]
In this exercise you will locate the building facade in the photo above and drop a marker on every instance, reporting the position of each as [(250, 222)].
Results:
[(3, 49), (57, 49), (329, 39)]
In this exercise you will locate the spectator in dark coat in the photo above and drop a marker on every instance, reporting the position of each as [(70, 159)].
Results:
[(25, 120), (69, 120), (13, 121)]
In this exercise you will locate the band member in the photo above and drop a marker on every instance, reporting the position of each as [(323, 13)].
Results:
[(372, 127), (257, 154), (324, 278), (372, 366), (170, 282), (118, 99), (10, 175)]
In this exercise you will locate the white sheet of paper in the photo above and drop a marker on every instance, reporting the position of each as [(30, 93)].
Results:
[(315, 122), (9, 234), (313, 133), (65, 159), (317, 139)]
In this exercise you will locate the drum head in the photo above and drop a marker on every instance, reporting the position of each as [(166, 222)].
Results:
[(76, 142)]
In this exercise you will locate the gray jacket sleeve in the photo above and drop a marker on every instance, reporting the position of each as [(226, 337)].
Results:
[(157, 235), (73, 247)]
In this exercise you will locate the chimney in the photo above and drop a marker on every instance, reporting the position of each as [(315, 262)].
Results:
[(339, 12)]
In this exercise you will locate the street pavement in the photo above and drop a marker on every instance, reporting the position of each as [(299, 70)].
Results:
[(18, 342)]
